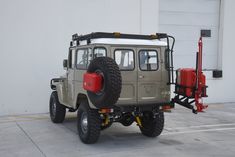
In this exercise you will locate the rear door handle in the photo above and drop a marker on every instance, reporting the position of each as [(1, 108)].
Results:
[(141, 76)]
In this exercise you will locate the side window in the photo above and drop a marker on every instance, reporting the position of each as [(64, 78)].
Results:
[(99, 52), (71, 58), (124, 59), (148, 60), (84, 57)]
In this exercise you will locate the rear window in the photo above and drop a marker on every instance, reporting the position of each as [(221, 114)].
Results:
[(99, 52), (84, 57), (124, 59), (148, 60)]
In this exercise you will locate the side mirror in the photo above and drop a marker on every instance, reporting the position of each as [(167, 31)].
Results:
[(65, 63)]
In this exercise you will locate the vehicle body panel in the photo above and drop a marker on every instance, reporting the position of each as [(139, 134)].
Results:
[(138, 87)]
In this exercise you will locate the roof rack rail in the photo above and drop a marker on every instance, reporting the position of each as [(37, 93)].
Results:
[(96, 35)]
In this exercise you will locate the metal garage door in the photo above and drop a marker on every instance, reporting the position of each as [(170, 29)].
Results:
[(185, 19)]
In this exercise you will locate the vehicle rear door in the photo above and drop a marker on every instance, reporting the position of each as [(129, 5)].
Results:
[(125, 57), (149, 75)]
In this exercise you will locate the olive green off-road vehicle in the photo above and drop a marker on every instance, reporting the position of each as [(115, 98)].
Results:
[(113, 77)]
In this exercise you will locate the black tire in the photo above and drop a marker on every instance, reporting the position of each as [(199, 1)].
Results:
[(89, 128), (152, 127), (57, 110), (112, 82)]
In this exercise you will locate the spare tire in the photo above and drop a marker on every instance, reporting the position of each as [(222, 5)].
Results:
[(111, 83)]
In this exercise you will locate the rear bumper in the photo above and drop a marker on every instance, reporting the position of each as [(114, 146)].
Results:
[(144, 107)]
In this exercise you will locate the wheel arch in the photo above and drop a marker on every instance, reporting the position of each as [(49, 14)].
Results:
[(83, 97)]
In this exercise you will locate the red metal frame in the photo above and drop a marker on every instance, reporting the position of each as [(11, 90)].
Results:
[(198, 93)]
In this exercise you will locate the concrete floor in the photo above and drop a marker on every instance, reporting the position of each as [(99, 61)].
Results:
[(185, 134)]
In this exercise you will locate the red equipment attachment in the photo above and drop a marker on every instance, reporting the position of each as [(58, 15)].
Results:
[(92, 82), (190, 85), (187, 78), (199, 82)]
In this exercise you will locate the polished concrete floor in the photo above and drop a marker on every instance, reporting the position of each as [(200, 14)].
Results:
[(185, 135)]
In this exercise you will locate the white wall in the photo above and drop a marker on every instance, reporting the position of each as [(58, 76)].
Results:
[(35, 35), (223, 90), (184, 19)]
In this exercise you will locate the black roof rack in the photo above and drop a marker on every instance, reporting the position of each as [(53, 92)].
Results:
[(96, 35)]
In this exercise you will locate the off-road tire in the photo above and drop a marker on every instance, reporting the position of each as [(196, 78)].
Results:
[(152, 127), (112, 82), (57, 110), (92, 133)]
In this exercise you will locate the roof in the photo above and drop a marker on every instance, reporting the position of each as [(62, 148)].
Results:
[(119, 41)]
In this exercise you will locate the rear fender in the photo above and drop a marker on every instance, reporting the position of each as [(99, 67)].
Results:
[(83, 97)]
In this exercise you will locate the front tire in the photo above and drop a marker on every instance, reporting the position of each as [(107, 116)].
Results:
[(88, 124), (152, 127), (57, 110)]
